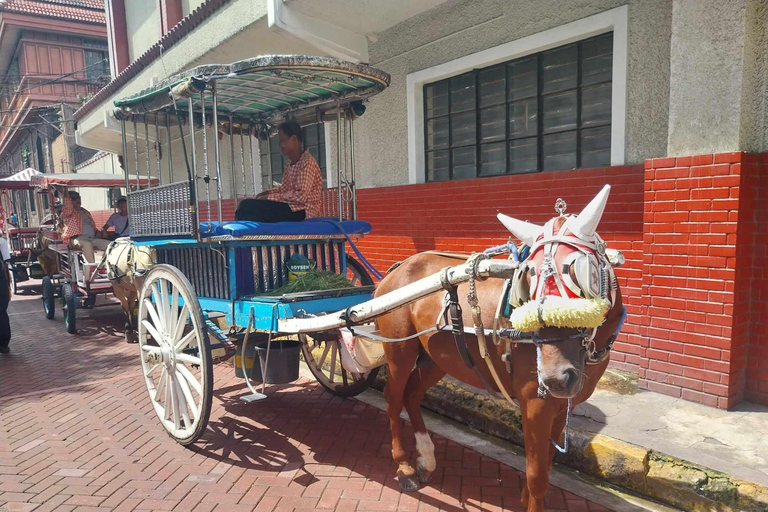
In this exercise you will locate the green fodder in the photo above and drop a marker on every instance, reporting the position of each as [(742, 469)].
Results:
[(313, 280)]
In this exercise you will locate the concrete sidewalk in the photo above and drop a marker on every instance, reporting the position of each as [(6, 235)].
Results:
[(733, 442)]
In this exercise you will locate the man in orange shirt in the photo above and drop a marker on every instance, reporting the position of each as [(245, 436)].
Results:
[(79, 229), (298, 197)]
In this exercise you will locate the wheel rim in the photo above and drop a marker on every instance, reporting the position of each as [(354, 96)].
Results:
[(174, 378)]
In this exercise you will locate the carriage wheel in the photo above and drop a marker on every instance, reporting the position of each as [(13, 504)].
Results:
[(324, 361), (322, 355), (175, 353), (70, 308), (49, 303), (357, 274)]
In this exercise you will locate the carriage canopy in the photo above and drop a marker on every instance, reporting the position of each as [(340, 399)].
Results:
[(88, 180), (20, 180), (264, 88)]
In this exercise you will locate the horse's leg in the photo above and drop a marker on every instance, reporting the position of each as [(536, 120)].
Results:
[(401, 358), (420, 380), (537, 427)]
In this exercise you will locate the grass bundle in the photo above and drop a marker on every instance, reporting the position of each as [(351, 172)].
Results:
[(312, 281)]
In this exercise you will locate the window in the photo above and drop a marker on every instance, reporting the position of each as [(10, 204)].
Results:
[(314, 142), (546, 111), (97, 66)]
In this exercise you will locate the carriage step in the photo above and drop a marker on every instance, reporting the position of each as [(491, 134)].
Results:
[(223, 340)]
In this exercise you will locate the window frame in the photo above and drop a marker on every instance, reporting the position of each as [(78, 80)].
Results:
[(613, 20), (539, 96)]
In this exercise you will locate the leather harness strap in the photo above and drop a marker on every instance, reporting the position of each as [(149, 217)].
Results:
[(457, 329)]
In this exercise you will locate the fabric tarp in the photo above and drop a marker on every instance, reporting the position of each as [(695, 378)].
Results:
[(316, 226)]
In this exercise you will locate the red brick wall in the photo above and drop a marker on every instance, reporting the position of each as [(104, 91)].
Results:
[(699, 248), (461, 216), (757, 352), (100, 217)]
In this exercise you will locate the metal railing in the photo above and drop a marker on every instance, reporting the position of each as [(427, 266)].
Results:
[(162, 211)]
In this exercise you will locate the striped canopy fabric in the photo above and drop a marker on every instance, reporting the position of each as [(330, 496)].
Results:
[(20, 180)]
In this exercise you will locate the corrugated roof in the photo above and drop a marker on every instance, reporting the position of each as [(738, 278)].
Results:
[(87, 11)]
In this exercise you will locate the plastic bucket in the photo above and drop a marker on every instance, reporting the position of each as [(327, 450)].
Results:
[(254, 370), (283, 361)]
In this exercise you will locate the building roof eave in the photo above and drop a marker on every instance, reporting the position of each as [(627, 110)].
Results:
[(181, 29)]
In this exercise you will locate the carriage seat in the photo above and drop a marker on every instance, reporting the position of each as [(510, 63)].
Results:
[(319, 226)]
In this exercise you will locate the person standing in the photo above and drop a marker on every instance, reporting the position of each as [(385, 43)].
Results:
[(5, 297)]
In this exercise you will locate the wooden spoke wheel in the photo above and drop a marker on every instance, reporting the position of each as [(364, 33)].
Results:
[(49, 302), (324, 361), (322, 352), (175, 353)]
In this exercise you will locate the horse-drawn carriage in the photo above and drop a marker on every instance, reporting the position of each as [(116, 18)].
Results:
[(75, 281), (25, 241), (205, 284)]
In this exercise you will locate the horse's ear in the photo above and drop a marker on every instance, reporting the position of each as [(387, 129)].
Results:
[(524, 231), (587, 221)]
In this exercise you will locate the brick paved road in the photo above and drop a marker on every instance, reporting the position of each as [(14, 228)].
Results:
[(77, 432)]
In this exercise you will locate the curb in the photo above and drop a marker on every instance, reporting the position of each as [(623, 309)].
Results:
[(667, 479)]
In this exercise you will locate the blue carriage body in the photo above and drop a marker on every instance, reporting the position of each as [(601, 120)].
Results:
[(244, 261)]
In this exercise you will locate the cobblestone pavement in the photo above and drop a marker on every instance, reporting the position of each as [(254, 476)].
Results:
[(77, 432)]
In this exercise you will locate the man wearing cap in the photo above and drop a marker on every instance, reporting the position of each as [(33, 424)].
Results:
[(79, 229)]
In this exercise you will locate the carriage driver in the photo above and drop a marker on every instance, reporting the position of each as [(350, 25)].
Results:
[(118, 221), (299, 195), (79, 229)]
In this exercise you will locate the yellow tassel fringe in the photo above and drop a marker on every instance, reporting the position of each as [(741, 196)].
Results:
[(560, 312)]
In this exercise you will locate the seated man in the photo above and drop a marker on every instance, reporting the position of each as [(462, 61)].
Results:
[(79, 228), (299, 196), (118, 221)]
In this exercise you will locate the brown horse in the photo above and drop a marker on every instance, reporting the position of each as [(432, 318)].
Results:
[(542, 387)]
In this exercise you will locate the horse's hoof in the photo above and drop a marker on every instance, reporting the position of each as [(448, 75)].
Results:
[(423, 475), (409, 483), (131, 338)]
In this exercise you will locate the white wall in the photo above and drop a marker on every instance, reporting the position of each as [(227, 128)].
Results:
[(142, 19), (96, 198), (461, 28)]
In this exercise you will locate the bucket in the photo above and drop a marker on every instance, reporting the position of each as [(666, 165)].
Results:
[(283, 361), (298, 265), (254, 370)]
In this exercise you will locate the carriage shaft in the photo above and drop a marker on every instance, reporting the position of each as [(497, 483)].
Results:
[(502, 269)]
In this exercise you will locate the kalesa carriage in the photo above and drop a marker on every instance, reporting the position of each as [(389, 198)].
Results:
[(26, 241), (534, 324)]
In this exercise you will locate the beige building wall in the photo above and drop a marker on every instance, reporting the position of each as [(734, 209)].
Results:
[(457, 29)]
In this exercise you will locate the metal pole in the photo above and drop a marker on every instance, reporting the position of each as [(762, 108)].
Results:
[(136, 153), (216, 148), (269, 157), (338, 160), (193, 183), (232, 159), (170, 158), (125, 158), (206, 177), (250, 153), (352, 152), (146, 140), (157, 151), (242, 161)]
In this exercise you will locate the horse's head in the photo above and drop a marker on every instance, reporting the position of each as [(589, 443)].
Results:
[(563, 292)]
